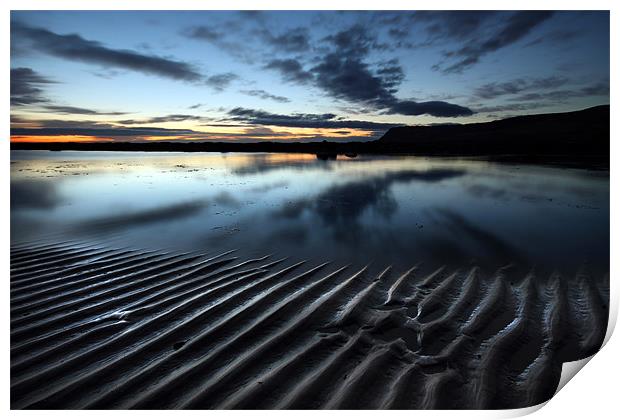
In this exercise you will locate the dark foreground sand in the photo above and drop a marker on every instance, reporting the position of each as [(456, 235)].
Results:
[(93, 327)]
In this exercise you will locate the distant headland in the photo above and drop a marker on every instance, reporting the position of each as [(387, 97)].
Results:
[(579, 137)]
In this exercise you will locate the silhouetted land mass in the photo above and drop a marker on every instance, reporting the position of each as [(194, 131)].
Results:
[(580, 133), (579, 138)]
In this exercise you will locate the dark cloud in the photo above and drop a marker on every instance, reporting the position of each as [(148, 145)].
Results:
[(195, 106), (59, 123), (597, 89), (293, 40), (259, 93), (260, 117), (251, 133), (398, 33), (440, 27), (203, 33), (344, 74), (219, 82), (126, 132), (519, 101), (559, 36), (514, 28), (256, 15), (512, 87), (434, 108), (351, 79), (511, 107), (74, 47), (355, 41), (220, 38), (26, 89), (163, 119), (341, 69), (72, 110), (290, 69), (27, 86), (259, 130), (391, 73), (76, 130), (106, 73), (450, 25)]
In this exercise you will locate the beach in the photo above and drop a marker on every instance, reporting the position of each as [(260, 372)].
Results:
[(106, 328), (396, 282)]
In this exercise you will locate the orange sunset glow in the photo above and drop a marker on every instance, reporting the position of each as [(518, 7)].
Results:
[(57, 139)]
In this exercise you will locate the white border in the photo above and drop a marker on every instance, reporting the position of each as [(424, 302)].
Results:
[(592, 394)]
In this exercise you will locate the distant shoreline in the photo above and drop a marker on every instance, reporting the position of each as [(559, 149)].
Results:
[(597, 162), (578, 139)]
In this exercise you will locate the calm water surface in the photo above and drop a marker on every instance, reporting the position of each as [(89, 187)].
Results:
[(388, 210)]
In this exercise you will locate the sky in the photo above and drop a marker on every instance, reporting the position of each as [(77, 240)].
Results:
[(248, 76)]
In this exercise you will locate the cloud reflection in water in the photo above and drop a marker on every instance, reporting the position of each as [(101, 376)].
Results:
[(391, 210)]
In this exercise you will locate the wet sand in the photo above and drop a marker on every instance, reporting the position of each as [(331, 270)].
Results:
[(101, 328)]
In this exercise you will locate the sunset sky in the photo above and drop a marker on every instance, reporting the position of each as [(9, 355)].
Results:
[(294, 76)]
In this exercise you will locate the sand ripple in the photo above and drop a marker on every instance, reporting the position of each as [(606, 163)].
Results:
[(94, 327)]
